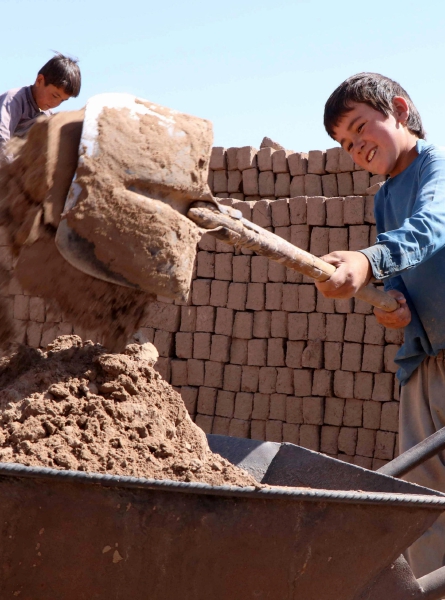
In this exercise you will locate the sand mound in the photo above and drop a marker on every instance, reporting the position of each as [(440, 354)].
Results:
[(77, 407)]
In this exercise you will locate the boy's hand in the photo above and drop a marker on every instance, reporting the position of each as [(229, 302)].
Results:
[(398, 318), (353, 272)]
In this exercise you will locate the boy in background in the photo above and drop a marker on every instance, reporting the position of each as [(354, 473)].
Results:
[(58, 80), (375, 121)]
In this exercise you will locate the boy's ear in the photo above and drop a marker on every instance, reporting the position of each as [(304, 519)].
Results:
[(401, 109), (40, 80)]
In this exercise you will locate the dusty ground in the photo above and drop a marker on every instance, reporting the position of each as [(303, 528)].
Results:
[(77, 407)]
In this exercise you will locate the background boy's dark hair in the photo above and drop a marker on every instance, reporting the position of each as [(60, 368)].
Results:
[(375, 90), (63, 72)]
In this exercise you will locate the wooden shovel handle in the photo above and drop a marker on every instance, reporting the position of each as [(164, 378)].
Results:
[(228, 225)]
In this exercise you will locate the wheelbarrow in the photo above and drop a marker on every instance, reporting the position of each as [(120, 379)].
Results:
[(338, 535)]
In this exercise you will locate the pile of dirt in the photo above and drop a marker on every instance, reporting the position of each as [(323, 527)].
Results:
[(78, 407)]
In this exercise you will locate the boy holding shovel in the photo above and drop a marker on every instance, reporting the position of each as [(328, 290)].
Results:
[(375, 121)]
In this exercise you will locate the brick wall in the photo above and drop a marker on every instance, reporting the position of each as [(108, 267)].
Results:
[(257, 351)]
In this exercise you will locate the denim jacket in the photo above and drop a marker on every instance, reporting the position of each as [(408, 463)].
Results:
[(409, 253)]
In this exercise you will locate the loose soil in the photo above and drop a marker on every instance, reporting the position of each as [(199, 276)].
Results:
[(77, 407)]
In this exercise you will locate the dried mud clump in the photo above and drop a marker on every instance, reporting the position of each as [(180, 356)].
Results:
[(78, 407)]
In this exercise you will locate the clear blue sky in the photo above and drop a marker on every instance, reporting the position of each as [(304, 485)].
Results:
[(252, 67)]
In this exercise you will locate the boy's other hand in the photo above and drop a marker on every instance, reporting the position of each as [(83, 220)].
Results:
[(353, 272), (398, 318)]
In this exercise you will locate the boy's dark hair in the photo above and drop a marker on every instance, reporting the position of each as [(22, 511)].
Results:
[(63, 72), (375, 90)]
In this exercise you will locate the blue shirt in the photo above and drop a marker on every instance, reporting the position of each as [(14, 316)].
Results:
[(409, 254)]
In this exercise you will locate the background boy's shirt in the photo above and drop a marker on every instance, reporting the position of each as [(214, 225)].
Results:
[(409, 254), (18, 111)]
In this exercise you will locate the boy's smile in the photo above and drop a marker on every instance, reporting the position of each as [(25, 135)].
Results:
[(381, 145)]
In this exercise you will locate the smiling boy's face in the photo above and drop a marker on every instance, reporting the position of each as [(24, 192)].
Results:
[(48, 96), (381, 145)]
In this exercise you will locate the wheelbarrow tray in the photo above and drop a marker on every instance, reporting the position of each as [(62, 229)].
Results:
[(82, 536)]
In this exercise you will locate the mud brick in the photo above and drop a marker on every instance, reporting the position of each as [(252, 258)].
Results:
[(222, 194), (222, 247), (201, 345), (316, 162), (363, 383), (280, 213), (205, 318), (294, 409), (394, 336), (369, 210), (361, 182), (279, 162), (237, 296), (264, 159), (355, 328), (246, 158), (243, 406), (372, 358), (267, 382), (329, 439), (317, 326), (396, 391), (276, 272), (298, 210), (322, 384), (362, 307), (274, 294), (219, 182), (354, 210), (352, 357), (33, 334), (293, 276), (223, 266), (383, 387), (232, 378), (324, 305), (275, 352), (257, 352), (282, 185), (316, 210), (335, 328), (201, 292), (329, 185), (143, 335), (278, 324), (164, 342), (277, 407), (255, 198), (319, 241), (244, 207), (297, 186), (390, 417), (291, 433), (36, 309), (207, 242), (345, 184), (249, 379), (333, 411), (255, 296), (261, 405), (274, 431), (347, 440), (310, 437), (353, 413), (204, 422), (290, 297), (258, 430), (338, 239), (14, 287), (195, 370), (312, 185), (299, 236), (218, 158), (343, 384), (333, 160), (238, 352), (259, 269), (358, 237), (224, 321), (366, 439), (345, 162), (243, 325), (220, 426), (282, 231), (384, 445), (220, 349), (372, 414), (189, 397), (67, 329), (344, 305), (213, 374), (234, 179), (334, 212), (241, 269), (225, 404), (250, 182), (285, 381), (390, 352), (302, 382), (332, 355), (261, 324), (261, 213), (219, 292), (297, 162), (297, 326), (21, 308), (231, 157), (306, 298), (266, 183), (294, 353), (6, 258), (206, 400), (312, 356), (179, 372)]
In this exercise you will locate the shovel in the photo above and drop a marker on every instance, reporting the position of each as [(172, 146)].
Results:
[(139, 193)]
